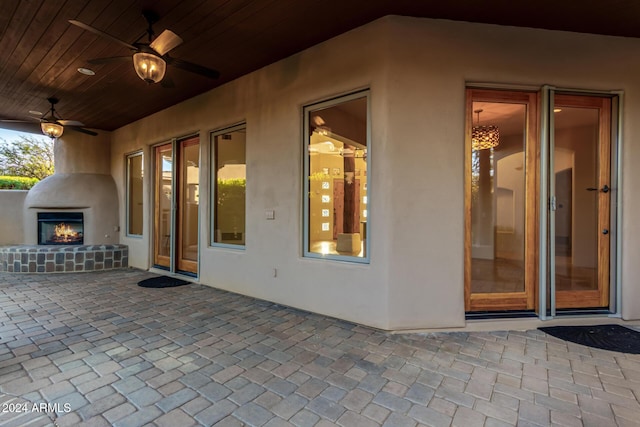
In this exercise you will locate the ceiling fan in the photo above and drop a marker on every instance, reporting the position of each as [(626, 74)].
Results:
[(50, 124), (150, 59)]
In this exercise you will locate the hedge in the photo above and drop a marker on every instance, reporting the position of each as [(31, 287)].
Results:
[(17, 182)]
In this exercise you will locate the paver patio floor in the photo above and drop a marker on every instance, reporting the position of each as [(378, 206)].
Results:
[(96, 349)]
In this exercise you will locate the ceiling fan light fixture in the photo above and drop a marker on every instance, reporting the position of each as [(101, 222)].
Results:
[(52, 130), (149, 67)]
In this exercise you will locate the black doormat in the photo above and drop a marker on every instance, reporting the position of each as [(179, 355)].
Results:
[(162, 282), (605, 337)]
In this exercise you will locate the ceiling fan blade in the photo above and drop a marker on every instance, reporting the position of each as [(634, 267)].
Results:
[(167, 82), (165, 42), (193, 68), (108, 59), (15, 121), (102, 34), (81, 130), (70, 123)]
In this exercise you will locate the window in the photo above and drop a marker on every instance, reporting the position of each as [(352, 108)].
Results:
[(135, 172), (336, 166), (229, 189)]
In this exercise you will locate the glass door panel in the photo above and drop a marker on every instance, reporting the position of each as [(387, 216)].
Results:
[(189, 199), (501, 190), (163, 202), (581, 187)]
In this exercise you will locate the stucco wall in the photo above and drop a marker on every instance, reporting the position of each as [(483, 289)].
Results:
[(76, 152), (94, 195), (417, 70), (430, 63), (11, 224)]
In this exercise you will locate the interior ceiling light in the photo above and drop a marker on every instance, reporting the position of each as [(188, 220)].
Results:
[(484, 137), (86, 71)]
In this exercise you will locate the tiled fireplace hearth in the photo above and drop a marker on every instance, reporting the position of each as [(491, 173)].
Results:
[(60, 259)]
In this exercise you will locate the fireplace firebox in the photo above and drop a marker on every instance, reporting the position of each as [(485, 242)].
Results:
[(60, 228)]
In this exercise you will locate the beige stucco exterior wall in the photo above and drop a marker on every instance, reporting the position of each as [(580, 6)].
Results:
[(11, 223), (76, 152), (417, 70), (270, 101), (431, 61), (82, 182)]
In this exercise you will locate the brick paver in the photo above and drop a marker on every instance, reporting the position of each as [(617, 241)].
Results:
[(96, 349)]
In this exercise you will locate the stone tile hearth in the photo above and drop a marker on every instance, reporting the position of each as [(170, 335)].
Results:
[(62, 259)]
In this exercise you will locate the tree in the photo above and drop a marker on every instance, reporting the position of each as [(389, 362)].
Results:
[(28, 156)]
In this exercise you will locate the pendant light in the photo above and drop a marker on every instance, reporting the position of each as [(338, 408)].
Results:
[(484, 137)]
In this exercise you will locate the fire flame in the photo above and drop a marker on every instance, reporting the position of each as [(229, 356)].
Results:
[(63, 232)]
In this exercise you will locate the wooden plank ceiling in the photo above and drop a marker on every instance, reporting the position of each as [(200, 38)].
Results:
[(40, 51)]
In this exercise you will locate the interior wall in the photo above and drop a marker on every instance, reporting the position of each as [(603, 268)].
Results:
[(584, 220), (417, 70)]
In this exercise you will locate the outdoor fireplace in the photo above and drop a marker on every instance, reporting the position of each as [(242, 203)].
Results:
[(60, 228)]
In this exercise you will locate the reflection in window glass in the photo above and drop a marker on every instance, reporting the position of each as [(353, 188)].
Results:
[(336, 162), (229, 158), (134, 196), (498, 197)]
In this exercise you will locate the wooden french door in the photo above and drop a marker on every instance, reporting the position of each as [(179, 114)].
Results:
[(188, 205), (503, 250), (163, 212), (501, 200), (580, 212), (176, 207)]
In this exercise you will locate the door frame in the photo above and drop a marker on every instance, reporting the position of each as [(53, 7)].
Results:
[(182, 264), (156, 238), (525, 300), (544, 121)]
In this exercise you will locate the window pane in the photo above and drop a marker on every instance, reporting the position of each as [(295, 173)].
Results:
[(164, 197), (337, 164), (230, 187), (576, 151), (134, 201), (498, 197), (189, 199)]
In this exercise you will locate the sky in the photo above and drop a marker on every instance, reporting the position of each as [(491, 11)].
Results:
[(11, 135)]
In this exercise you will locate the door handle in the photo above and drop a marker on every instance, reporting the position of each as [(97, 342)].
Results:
[(604, 189), (605, 231)]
